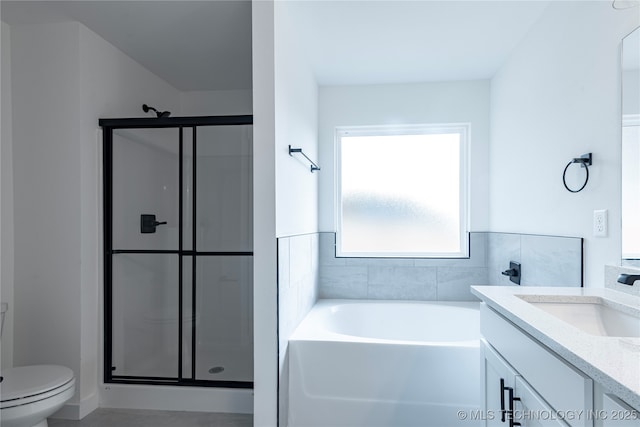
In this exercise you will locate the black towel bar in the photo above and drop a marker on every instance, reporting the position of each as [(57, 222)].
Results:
[(314, 167)]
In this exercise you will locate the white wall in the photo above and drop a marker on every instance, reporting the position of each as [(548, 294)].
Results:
[(6, 201), (296, 106), (557, 97), (447, 102), (631, 88), (216, 103), (64, 78), (46, 163), (265, 257)]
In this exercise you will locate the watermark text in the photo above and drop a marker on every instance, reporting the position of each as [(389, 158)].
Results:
[(547, 415)]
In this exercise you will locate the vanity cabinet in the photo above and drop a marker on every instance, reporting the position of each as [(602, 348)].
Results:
[(546, 390), (508, 399)]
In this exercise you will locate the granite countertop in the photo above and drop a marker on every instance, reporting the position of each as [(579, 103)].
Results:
[(614, 362)]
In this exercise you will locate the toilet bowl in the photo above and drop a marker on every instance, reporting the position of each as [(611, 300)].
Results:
[(30, 394)]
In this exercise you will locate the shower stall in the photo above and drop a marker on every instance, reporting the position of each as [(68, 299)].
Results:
[(178, 255)]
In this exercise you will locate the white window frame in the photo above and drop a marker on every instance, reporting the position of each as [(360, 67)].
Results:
[(463, 129)]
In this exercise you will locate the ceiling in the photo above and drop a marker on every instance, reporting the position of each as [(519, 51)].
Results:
[(193, 45), (369, 42), (206, 45)]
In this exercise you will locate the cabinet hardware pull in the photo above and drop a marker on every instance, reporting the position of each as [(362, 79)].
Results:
[(511, 408), (502, 408)]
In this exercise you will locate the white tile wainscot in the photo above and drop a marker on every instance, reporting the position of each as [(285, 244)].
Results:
[(599, 375)]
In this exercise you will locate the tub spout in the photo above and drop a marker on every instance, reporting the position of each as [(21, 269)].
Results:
[(628, 279)]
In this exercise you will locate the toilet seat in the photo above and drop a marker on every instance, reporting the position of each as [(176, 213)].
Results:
[(28, 384)]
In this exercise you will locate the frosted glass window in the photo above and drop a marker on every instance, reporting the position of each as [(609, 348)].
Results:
[(402, 191)]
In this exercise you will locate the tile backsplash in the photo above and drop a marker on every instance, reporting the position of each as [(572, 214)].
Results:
[(402, 278), (546, 261)]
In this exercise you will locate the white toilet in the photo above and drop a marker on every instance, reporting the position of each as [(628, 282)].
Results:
[(30, 394)]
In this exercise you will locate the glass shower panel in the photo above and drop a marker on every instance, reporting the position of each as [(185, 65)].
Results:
[(224, 195), (145, 315), (224, 321), (178, 271), (145, 182)]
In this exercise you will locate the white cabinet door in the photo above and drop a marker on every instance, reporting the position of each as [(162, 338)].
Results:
[(530, 410), (497, 377), (616, 413)]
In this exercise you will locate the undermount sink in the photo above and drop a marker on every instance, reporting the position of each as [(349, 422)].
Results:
[(593, 315)]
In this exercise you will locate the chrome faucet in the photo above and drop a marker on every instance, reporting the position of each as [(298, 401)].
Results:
[(628, 279)]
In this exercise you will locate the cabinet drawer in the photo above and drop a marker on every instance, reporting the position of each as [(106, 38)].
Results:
[(562, 386)]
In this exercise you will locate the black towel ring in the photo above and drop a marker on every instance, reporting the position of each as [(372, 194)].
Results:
[(585, 160)]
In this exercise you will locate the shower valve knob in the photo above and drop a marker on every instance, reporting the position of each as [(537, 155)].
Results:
[(148, 223)]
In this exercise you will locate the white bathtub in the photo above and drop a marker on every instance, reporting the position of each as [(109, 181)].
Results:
[(385, 363)]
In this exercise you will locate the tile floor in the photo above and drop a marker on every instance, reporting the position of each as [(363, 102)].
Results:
[(105, 417)]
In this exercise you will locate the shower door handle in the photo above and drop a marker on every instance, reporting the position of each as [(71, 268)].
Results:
[(148, 223)]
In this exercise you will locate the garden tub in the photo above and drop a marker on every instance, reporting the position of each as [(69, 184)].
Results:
[(385, 363)]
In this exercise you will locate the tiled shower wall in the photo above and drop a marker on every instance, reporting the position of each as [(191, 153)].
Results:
[(546, 261)]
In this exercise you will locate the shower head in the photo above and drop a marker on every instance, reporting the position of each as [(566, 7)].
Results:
[(159, 114)]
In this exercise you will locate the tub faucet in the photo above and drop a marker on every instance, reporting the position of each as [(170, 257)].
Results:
[(628, 279)]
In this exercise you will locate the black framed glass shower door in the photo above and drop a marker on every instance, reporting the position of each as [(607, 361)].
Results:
[(178, 251)]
